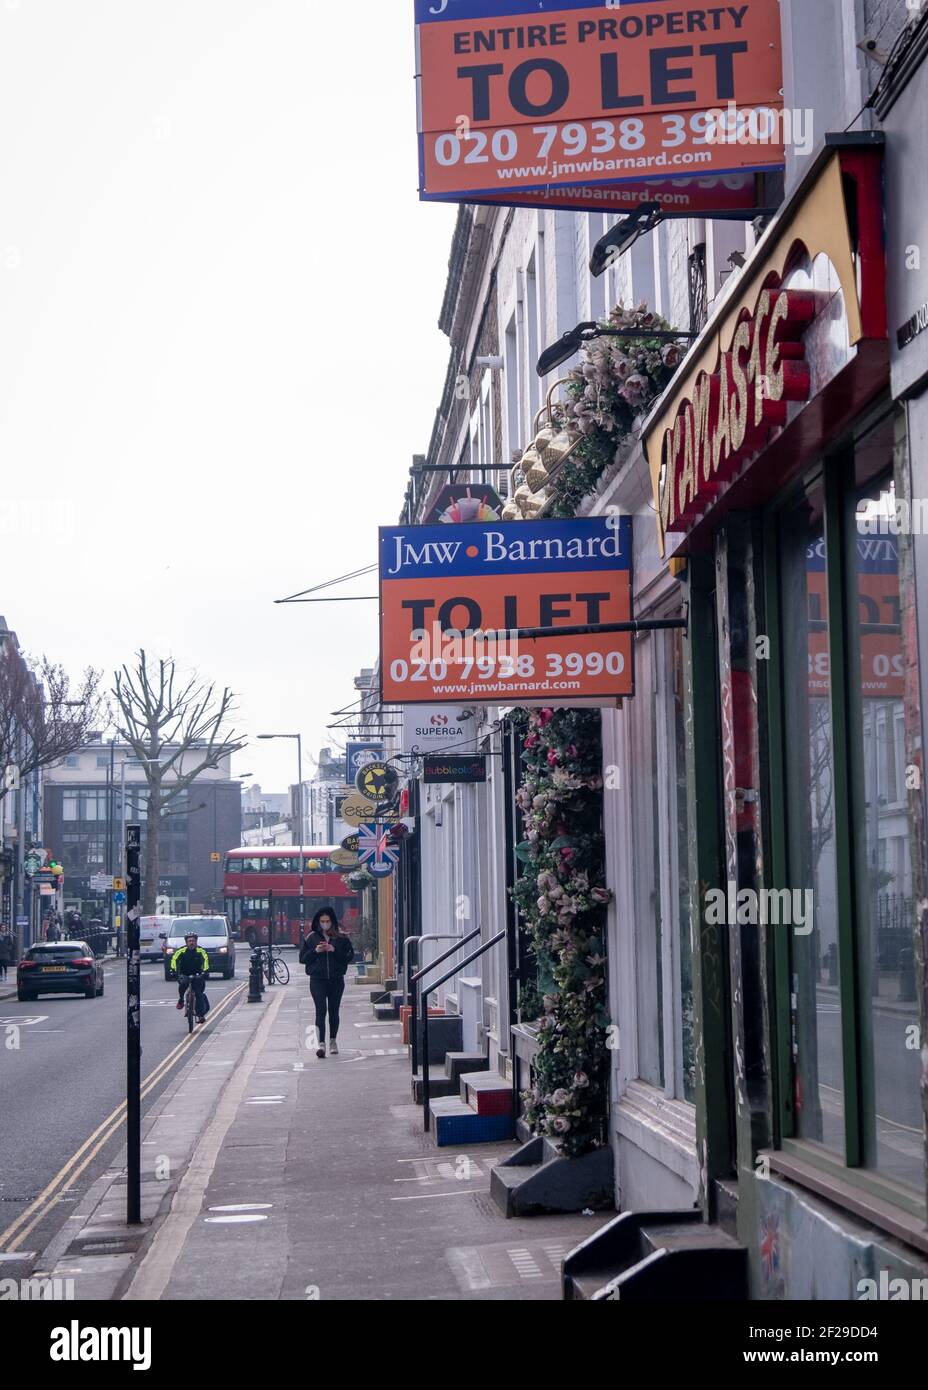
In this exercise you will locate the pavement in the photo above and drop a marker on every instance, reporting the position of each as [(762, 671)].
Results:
[(270, 1174)]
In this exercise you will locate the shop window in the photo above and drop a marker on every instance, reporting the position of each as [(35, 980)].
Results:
[(645, 829), (818, 1081), (894, 1125), (660, 833), (850, 1077)]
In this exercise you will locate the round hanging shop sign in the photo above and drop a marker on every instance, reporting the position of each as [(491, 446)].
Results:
[(344, 859), (378, 782)]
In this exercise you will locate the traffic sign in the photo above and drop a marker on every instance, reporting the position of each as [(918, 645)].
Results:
[(215, 858), (118, 885), (102, 883), (119, 897)]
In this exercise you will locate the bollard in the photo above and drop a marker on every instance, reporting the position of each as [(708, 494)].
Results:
[(255, 979)]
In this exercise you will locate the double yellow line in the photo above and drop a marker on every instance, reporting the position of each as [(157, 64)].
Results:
[(12, 1238)]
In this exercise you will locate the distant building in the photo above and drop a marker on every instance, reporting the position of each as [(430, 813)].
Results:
[(262, 810), (83, 818), (321, 799), (20, 828)]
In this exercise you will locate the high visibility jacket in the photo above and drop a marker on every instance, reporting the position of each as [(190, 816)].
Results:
[(187, 961)]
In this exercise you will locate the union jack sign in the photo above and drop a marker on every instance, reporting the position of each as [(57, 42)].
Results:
[(376, 851)]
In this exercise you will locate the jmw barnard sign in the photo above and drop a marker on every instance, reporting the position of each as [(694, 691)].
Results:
[(521, 94), (730, 411), (452, 596)]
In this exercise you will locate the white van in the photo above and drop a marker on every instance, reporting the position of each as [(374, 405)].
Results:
[(153, 932), (213, 935)]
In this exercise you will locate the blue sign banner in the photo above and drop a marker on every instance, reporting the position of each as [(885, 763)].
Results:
[(481, 550), (358, 755), (441, 11)]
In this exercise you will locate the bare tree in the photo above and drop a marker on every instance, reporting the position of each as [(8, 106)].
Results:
[(43, 717), (166, 718)]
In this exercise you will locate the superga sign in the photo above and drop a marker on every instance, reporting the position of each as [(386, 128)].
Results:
[(730, 411), (523, 94), (452, 599)]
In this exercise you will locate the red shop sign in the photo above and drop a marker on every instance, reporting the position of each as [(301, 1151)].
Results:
[(729, 416)]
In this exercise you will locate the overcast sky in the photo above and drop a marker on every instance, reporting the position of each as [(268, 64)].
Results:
[(218, 336)]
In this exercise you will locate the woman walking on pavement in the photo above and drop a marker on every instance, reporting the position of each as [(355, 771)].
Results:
[(7, 950), (327, 953)]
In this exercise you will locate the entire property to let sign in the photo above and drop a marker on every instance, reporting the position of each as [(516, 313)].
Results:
[(455, 602)]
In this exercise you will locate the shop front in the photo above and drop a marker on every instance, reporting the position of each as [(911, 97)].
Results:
[(780, 466)]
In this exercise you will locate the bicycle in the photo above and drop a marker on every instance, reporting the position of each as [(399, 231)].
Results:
[(190, 1002), (275, 967)]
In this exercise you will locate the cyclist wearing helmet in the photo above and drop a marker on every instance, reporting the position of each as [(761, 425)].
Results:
[(191, 961)]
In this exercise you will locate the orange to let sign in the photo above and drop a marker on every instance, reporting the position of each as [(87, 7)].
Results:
[(454, 598), (517, 94)]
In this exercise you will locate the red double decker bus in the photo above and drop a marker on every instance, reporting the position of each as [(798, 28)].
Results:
[(262, 884)]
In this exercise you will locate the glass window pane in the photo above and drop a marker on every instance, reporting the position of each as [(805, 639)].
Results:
[(894, 1133), (686, 1039), (642, 752), (816, 1006)]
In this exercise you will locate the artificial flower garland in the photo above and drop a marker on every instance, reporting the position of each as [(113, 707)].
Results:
[(616, 380), (562, 894), (563, 898)]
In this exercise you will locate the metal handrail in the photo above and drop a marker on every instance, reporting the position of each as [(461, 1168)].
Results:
[(459, 941), (411, 990), (424, 997)]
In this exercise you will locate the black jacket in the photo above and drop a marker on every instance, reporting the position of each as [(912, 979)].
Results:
[(327, 965)]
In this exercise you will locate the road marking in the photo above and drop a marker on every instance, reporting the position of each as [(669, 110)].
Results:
[(426, 1196), (231, 1220), (246, 1206), (69, 1173), (154, 1273)]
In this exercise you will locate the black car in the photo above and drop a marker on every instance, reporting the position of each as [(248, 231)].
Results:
[(59, 967)]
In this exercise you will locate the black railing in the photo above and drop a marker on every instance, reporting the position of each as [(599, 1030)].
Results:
[(424, 997), (412, 987)]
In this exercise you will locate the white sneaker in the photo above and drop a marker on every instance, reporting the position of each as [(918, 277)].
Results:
[(333, 1048)]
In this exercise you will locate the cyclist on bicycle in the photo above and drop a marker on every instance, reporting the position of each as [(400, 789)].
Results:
[(191, 966)]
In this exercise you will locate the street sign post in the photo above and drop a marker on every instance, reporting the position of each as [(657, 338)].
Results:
[(133, 1029)]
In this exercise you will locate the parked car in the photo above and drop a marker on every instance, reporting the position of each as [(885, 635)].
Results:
[(214, 936), (59, 967), (153, 933)]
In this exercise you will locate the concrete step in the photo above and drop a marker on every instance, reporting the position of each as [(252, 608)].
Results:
[(537, 1180), (458, 1062), (654, 1257), (379, 995), (453, 1122), (383, 1012), (446, 1034), (486, 1092), (439, 1086)]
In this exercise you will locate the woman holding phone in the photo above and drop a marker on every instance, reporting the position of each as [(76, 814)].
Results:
[(326, 953)]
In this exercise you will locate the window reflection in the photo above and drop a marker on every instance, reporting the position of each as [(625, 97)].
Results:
[(894, 1133), (816, 1006)]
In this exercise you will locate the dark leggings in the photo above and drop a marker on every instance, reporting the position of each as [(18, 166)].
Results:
[(327, 994)]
